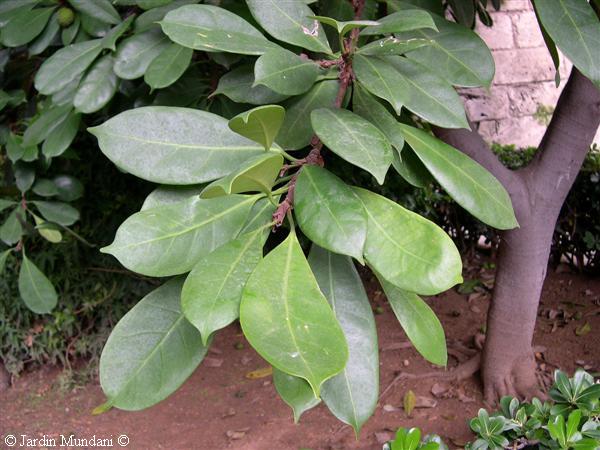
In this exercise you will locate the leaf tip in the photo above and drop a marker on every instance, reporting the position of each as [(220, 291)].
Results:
[(100, 409)]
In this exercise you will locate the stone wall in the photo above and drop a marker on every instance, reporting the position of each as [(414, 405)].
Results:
[(518, 106)]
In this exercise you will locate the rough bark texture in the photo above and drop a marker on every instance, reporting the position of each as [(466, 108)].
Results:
[(537, 192)]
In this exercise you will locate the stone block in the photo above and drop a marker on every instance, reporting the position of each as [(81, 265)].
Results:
[(515, 5), (483, 105), (500, 35), (526, 99), (523, 66), (526, 30), (520, 131)]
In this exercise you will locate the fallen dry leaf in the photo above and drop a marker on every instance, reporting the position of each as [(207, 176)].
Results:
[(259, 373)]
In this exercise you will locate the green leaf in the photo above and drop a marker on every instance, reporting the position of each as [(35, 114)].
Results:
[(109, 41), (260, 215), (354, 139), (62, 136), (573, 424), (212, 29), (97, 87), (136, 53), (35, 289), (11, 230), (410, 167), (92, 26), (556, 427), (380, 78), (402, 21), (408, 250), (574, 27), (467, 182), (257, 174), (69, 188), (212, 291), (392, 46), (45, 39), (47, 122), (352, 394), (47, 230), (99, 9), (294, 391), (464, 12), (166, 195), (172, 145), (342, 27), (151, 352), (57, 212), (68, 34), (24, 176), (329, 213), (419, 323), (290, 22), (25, 26), (260, 124), (14, 147), (429, 96), (285, 72), (287, 320), (457, 54), (150, 18), (5, 204), (239, 86), (66, 65), (171, 239), (366, 106), (4, 256), (297, 131), (168, 66)]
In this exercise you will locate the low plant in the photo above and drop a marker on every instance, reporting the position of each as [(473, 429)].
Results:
[(411, 440)]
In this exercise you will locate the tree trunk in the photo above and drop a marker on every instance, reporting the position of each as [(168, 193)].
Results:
[(537, 193)]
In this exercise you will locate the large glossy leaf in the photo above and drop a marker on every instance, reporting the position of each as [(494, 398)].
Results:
[(381, 79), (343, 27), (575, 29), (171, 239), (366, 106), (297, 131), (260, 124), (57, 212), (255, 175), (408, 250), (35, 288), (329, 213), (168, 66), (97, 87), (467, 182), (392, 46), (4, 256), (260, 215), (212, 291), (457, 54), (149, 19), (136, 53), (352, 394), (66, 65), (101, 10), (410, 167), (419, 322), (25, 26), (46, 37), (109, 41), (354, 139), (151, 352), (5, 204), (401, 21), (238, 85), (289, 22), (213, 29), (166, 195), (172, 145), (62, 136), (296, 392), (287, 320), (285, 72), (428, 95)]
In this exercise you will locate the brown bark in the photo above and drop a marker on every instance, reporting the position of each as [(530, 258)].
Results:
[(537, 192)]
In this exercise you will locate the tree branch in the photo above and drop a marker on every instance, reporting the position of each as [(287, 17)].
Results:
[(567, 140)]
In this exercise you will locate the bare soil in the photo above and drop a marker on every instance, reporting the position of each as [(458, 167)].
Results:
[(219, 407)]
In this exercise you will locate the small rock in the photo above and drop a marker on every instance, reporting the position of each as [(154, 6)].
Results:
[(438, 390), (246, 360), (425, 402), (230, 412), (383, 437), (215, 350), (475, 309), (406, 362), (237, 434), (390, 408), (213, 362)]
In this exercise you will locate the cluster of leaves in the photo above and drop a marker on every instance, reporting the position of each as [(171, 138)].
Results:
[(411, 440), (309, 318), (571, 420)]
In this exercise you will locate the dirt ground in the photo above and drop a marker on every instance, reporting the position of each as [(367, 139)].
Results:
[(220, 408)]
